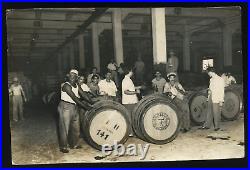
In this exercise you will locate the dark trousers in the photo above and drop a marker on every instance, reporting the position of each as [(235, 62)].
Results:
[(17, 108), (213, 114), (69, 126), (185, 112), (130, 108)]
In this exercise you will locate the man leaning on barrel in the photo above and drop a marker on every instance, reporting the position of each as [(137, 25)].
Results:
[(69, 129), (176, 92)]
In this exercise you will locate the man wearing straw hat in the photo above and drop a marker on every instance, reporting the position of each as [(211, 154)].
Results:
[(16, 91), (177, 93)]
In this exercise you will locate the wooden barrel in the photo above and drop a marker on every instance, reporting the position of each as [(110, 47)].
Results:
[(105, 123), (238, 88), (155, 119), (198, 107), (231, 107)]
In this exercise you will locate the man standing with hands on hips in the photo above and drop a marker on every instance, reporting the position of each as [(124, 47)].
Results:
[(215, 100)]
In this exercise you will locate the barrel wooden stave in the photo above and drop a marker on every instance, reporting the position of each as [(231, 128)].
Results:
[(231, 108), (238, 88), (198, 107), (137, 109), (141, 129), (95, 118)]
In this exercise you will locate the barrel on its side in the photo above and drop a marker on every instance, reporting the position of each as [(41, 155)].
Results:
[(238, 88), (198, 107), (232, 104), (106, 123), (155, 119)]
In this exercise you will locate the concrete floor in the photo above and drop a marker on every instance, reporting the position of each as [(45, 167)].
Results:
[(34, 141)]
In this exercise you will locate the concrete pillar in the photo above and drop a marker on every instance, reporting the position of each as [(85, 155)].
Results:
[(159, 36), (186, 51), (227, 46), (117, 35), (71, 55), (95, 45), (82, 63)]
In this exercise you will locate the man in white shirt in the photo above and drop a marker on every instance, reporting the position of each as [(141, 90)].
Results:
[(215, 100), (176, 92), (107, 87), (158, 83), (69, 129), (129, 91), (18, 95)]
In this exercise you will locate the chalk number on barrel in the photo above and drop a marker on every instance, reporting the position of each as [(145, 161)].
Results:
[(102, 134)]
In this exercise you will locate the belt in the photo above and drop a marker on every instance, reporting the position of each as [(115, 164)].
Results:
[(68, 102)]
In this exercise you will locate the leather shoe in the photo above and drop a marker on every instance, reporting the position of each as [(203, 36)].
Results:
[(64, 150), (185, 130), (216, 129), (76, 147), (203, 128)]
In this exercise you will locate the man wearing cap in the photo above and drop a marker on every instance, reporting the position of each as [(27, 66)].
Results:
[(215, 100), (176, 92), (68, 113), (18, 95), (158, 83)]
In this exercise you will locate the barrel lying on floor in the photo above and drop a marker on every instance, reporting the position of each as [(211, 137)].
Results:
[(155, 119), (105, 123)]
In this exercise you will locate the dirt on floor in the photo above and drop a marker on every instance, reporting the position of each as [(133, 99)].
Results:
[(34, 141)]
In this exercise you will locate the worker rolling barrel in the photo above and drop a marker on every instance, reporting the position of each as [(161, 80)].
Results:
[(105, 123)]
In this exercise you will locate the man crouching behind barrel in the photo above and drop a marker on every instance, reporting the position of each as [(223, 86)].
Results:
[(129, 93), (176, 92), (68, 113)]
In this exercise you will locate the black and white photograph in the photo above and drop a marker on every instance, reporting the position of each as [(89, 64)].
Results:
[(125, 84)]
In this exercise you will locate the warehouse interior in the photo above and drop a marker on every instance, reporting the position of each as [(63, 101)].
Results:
[(44, 44)]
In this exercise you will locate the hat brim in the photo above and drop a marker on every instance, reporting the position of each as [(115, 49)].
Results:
[(171, 75)]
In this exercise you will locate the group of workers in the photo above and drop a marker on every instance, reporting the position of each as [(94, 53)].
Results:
[(80, 93)]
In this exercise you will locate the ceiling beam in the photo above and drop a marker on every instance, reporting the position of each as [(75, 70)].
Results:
[(95, 15)]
